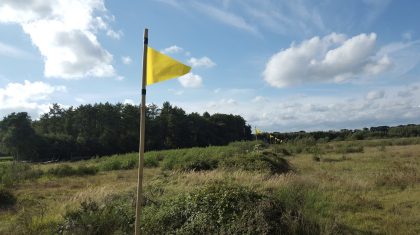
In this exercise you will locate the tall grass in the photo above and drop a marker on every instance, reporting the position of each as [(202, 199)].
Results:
[(12, 173)]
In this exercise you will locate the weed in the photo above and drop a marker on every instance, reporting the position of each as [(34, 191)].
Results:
[(7, 199)]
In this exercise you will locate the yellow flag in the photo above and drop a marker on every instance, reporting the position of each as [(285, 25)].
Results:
[(161, 67), (257, 131)]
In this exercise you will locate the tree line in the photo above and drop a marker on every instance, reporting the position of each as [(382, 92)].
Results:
[(105, 129), (378, 132)]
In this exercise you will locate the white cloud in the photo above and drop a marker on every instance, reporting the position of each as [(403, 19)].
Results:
[(259, 99), (333, 58), (113, 34), (172, 49), (191, 80), (32, 97), (129, 101), (65, 34), (126, 60), (204, 62), (380, 66), (119, 78), (320, 112), (374, 95), (405, 56)]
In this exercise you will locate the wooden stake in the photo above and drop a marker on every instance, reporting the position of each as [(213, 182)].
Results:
[(137, 230)]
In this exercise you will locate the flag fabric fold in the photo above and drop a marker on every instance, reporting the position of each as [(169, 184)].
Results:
[(161, 67)]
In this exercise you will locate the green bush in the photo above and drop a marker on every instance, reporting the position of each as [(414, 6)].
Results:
[(351, 149), (111, 164), (316, 158), (66, 170), (86, 170), (7, 199), (216, 208), (189, 163), (247, 146), (151, 161), (114, 215), (32, 218), (127, 161), (12, 173), (281, 150), (257, 161), (221, 208), (194, 159), (306, 209)]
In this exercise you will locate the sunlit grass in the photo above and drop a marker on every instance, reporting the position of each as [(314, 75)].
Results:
[(376, 190)]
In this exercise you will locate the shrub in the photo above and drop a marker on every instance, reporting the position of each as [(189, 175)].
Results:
[(12, 173), (114, 215), (221, 208), (194, 159), (86, 170), (111, 164), (351, 149), (247, 146), (257, 161), (306, 209), (33, 218), (280, 149), (152, 161), (61, 170), (216, 208), (189, 163), (316, 158), (7, 199), (66, 170)]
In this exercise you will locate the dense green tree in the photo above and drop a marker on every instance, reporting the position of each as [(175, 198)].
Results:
[(103, 129), (17, 136)]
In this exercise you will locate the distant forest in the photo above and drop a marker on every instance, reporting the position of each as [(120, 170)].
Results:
[(105, 129), (379, 132)]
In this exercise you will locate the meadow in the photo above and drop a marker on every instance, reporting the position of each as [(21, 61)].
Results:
[(302, 187)]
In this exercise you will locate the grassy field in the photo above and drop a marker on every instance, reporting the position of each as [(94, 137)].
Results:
[(347, 187)]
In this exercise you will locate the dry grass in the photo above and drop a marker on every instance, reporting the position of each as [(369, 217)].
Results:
[(374, 191)]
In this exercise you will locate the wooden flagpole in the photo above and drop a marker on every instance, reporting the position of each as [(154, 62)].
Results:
[(137, 230)]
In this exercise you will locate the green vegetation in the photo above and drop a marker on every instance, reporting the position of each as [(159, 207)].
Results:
[(66, 170), (105, 129), (5, 159), (7, 199), (305, 187)]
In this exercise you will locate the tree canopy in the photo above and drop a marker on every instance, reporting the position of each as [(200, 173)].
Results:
[(104, 129)]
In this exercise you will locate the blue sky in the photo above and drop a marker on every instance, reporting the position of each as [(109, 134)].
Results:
[(283, 65)]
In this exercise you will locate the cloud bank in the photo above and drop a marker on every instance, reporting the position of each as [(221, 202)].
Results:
[(333, 58), (65, 34), (191, 80), (31, 97)]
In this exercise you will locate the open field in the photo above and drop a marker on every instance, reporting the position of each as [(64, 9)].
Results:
[(347, 187)]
